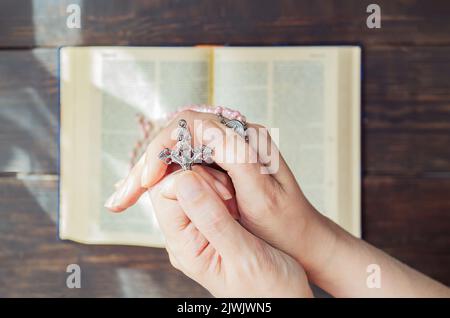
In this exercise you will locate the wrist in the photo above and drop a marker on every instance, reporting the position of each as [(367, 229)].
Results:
[(319, 243)]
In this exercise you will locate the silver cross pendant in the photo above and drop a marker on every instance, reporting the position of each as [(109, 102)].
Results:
[(183, 153)]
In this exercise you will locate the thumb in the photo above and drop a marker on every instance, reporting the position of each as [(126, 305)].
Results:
[(208, 213)]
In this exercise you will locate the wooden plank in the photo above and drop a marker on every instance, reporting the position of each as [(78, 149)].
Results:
[(29, 111), (409, 218), (406, 111), (33, 260), (406, 152), (106, 22), (406, 87)]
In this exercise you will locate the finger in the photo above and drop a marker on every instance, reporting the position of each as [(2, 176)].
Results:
[(248, 175), (221, 176), (269, 154), (154, 168), (119, 183), (245, 164), (129, 190), (220, 180), (239, 160), (223, 187), (188, 248), (149, 170), (172, 258), (171, 217), (222, 190), (208, 213), (260, 148)]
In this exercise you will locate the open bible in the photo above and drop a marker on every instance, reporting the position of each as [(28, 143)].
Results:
[(311, 94)]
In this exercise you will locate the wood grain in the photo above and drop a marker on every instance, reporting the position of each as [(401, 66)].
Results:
[(402, 152), (33, 264), (409, 218), (33, 260), (260, 22), (405, 87), (405, 126)]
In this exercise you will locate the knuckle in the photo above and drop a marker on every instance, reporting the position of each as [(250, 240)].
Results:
[(180, 262), (199, 200), (211, 132), (210, 123), (259, 126), (173, 262), (195, 242), (271, 196), (269, 202), (187, 115), (212, 126), (258, 131), (241, 170), (216, 223)]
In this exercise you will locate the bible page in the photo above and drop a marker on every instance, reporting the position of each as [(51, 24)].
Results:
[(292, 91), (105, 89)]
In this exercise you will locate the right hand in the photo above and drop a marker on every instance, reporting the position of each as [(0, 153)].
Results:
[(208, 245)]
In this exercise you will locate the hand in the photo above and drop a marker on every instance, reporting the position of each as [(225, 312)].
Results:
[(271, 205), (208, 245)]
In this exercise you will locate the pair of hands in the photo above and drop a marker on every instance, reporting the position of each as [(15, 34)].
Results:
[(241, 233)]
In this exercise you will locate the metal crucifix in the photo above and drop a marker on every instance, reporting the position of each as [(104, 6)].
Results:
[(183, 153)]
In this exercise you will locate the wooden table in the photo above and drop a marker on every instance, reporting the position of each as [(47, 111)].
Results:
[(405, 124)]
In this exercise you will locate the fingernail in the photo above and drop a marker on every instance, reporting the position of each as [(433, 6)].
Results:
[(189, 187), (222, 190), (119, 183), (115, 199), (110, 201)]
